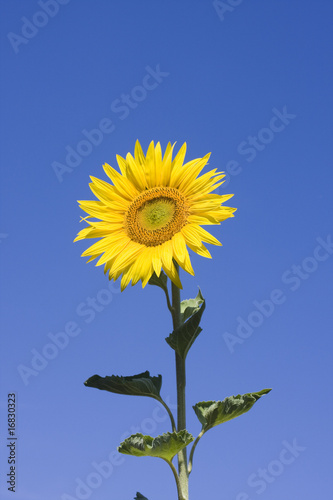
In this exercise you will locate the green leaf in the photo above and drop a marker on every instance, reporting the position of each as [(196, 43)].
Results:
[(139, 496), (182, 338), (211, 413), (137, 385), (165, 446), (160, 280), (190, 306)]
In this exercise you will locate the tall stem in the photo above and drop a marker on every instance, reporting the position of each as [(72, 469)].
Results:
[(181, 406), (179, 489)]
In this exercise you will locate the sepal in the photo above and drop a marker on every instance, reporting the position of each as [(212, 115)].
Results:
[(160, 280)]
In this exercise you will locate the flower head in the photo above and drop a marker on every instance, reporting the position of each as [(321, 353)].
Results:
[(151, 213)]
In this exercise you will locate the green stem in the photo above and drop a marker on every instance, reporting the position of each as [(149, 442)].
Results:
[(179, 489), (181, 423), (168, 300), (173, 424), (190, 462), (181, 406)]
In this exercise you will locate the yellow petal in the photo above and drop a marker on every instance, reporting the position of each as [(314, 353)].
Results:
[(150, 167), (104, 244), (108, 198), (126, 278), (168, 266), (189, 174), (121, 183), (178, 172), (206, 236), (136, 173), (200, 250), (113, 251), (127, 256), (140, 267), (168, 150), (158, 164), (179, 247), (179, 158), (157, 259), (167, 253), (191, 235), (139, 155), (173, 275), (166, 166), (181, 254), (204, 220), (122, 165), (204, 184)]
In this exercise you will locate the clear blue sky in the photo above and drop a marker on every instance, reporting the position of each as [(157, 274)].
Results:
[(253, 86)]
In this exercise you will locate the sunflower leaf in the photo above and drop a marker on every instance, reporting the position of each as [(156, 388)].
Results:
[(165, 446), (160, 280), (139, 496), (182, 338), (137, 385), (190, 306), (211, 413)]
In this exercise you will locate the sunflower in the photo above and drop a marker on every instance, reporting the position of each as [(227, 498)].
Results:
[(151, 213)]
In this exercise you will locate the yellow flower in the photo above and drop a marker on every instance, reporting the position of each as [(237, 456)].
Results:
[(151, 213)]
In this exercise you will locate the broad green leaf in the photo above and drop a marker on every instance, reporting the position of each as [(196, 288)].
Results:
[(139, 496), (165, 446), (190, 306), (160, 280), (183, 337), (211, 413), (137, 385)]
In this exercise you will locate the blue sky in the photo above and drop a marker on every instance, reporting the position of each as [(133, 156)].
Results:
[(250, 82)]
